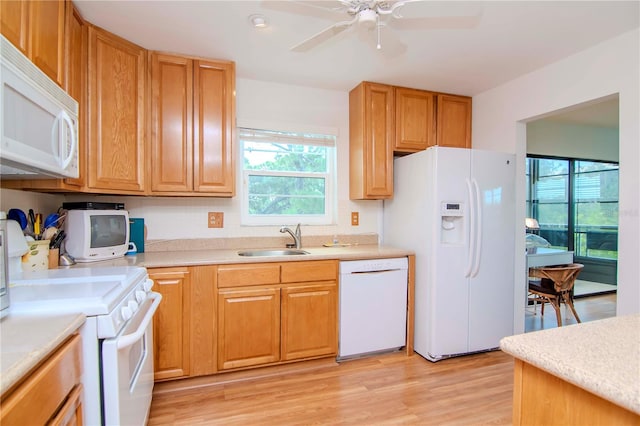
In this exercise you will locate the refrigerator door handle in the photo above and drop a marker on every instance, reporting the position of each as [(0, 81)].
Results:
[(478, 231), (472, 231)]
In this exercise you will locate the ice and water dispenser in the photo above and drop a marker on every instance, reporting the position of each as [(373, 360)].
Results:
[(452, 223)]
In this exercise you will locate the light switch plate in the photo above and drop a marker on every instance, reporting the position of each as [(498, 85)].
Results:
[(355, 218), (216, 219)]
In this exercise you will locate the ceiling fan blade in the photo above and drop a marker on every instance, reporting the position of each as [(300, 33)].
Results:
[(322, 36), (436, 23), (413, 9), (329, 9)]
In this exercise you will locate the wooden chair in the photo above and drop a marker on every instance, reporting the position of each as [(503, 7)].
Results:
[(555, 286)]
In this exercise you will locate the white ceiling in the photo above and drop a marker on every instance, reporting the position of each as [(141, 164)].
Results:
[(599, 114), (506, 39)]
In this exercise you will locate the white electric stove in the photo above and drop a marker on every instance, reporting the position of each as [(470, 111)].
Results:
[(117, 338)]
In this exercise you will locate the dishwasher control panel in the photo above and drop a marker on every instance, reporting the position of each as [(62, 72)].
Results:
[(373, 265)]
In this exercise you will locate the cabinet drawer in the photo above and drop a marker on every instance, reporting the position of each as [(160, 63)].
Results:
[(38, 398), (249, 274), (314, 270)]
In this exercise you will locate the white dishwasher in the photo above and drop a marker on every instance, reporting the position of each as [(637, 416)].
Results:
[(373, 306)]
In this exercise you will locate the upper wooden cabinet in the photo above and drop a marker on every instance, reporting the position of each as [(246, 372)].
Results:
[(454, 121), (14, 23), (75, 85), (371, 134), (75, 73), (415, 120), (384, 120), (37, 28), (171, 123), (192, 120), (117, 82)]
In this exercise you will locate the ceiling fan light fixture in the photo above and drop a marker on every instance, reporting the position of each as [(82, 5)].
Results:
[(367, 18), (258, 21)]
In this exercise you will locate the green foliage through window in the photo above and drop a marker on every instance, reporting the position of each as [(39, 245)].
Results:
[(287, 176)]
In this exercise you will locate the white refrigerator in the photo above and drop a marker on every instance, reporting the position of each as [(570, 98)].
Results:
[(455, 208)]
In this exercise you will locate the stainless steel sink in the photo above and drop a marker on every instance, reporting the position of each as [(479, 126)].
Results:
[(268, 252)]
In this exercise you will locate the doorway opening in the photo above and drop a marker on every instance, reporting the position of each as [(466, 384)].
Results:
[(572, 192)]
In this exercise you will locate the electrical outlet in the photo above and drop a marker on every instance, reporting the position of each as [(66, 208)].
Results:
[(355, 218), (216, 219)]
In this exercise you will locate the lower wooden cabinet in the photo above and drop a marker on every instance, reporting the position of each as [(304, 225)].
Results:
[(540, 398), (249, 331), (309, 321), (52, 394), (227, 317), (171, 323), (288, 312), (184, 325)]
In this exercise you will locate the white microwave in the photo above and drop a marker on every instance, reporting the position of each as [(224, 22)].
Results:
[(93, 235), (38, 121)]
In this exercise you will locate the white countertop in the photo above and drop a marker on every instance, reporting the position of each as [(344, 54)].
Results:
[(27, 340), (161, 259), (602, 357)]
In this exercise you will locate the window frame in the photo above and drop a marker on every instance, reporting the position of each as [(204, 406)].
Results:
[(597, 268), (330, 178)]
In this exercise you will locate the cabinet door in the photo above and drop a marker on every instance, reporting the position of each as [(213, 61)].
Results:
[(309, 321), (39, 397), (14, 21), (116, 118), (248, 327), (415, 121), (454, 121), (70, 414), (171, 323), (75, 83), (214, 120), (46, 41), (371, 133), (171, 123), (379, 140)]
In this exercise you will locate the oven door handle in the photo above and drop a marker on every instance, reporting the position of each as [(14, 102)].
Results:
[(131, 338)]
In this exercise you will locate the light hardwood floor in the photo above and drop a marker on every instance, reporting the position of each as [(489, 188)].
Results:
[(589, 309), (386, 389)]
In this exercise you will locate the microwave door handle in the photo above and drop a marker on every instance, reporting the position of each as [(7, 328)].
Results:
[(131, 338), (64, 117)]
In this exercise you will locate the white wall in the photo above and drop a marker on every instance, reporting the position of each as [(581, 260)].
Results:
[(25, 200), (277, 107), (500, 114), (545, 137)]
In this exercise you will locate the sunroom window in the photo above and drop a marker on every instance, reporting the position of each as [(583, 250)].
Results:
[(576, 204), (287, 177)]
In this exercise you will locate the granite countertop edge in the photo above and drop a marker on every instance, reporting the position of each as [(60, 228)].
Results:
[(19, 356), (177, 258), (602, 357)]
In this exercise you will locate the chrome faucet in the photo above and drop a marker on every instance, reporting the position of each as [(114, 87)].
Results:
[(297, 236)]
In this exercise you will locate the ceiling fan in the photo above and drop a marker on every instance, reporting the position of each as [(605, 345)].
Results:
[(376, 14)]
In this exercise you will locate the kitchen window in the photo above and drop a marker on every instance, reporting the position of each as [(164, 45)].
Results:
[(287, 177)]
